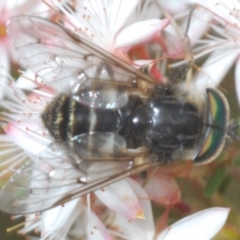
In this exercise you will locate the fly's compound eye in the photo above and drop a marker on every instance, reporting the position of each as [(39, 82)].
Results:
[(217, 122)]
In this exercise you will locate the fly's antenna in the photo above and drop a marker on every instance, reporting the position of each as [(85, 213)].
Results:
[(179, 73)]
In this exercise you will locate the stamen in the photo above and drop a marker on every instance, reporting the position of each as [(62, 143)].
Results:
[(3, 31)]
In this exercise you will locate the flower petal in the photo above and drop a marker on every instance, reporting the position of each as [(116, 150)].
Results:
[(139, 32), (24, 135), (61, 217), (214, 69), (202, 225), (138, 228), (25, 82), (121, 198), (163, 189), (98, 231)]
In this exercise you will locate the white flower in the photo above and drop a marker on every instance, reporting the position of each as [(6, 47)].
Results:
[(7, 10), (76, 219), (225, 14), (26, 139), (121, 206), (202, 225), (215, 28), (113, 25)]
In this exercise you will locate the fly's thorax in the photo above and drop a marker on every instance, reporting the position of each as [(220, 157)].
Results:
[(169, 126)]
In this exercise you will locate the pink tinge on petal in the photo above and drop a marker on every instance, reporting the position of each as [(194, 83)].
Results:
[(139, 32), (163, 189), (27, 136), (137, 228), (121, 198), (202, 225), (96, 229)]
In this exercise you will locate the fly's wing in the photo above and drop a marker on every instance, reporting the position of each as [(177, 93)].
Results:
[(62, 59), (97, 94), (51, 179)]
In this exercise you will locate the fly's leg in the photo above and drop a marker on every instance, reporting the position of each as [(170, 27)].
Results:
[(179, 73)]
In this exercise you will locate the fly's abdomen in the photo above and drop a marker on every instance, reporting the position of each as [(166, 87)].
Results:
[(56, 117), (85, 119), (66, 118)]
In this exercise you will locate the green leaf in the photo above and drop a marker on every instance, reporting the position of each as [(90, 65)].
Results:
[(214, 182), (236, 160)]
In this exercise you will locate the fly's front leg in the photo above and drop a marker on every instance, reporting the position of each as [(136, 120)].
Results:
[(178, 74)]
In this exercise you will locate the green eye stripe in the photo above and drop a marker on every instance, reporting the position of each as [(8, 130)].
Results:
[(219, 115), (218, 108), (212, 146)]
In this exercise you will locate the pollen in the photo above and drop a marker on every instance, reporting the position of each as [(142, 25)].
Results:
[(3, 31), (140, 215)]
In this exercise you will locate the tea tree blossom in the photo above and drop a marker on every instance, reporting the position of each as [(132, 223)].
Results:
[(24, 101), (214, 26), (202, 225), (22, 124), (115, 211), (117, 25), (225, 20), (7, 10)]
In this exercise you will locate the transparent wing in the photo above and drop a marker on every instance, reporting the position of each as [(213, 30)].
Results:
[(61, 58), (50, 179), (99, 145), (64, 60), (97, 94)]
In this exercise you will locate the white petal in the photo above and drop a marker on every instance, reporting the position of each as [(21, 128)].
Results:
[(4, 59), (4, 67), (97, 230), (202, 225), (22, 135), (121, 198), (215, 69), (198, 26), (224, 9), (175, 6), (26, 80), (119, 12), (11, 157), (61, 217), (139, 32), (138, 228)]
